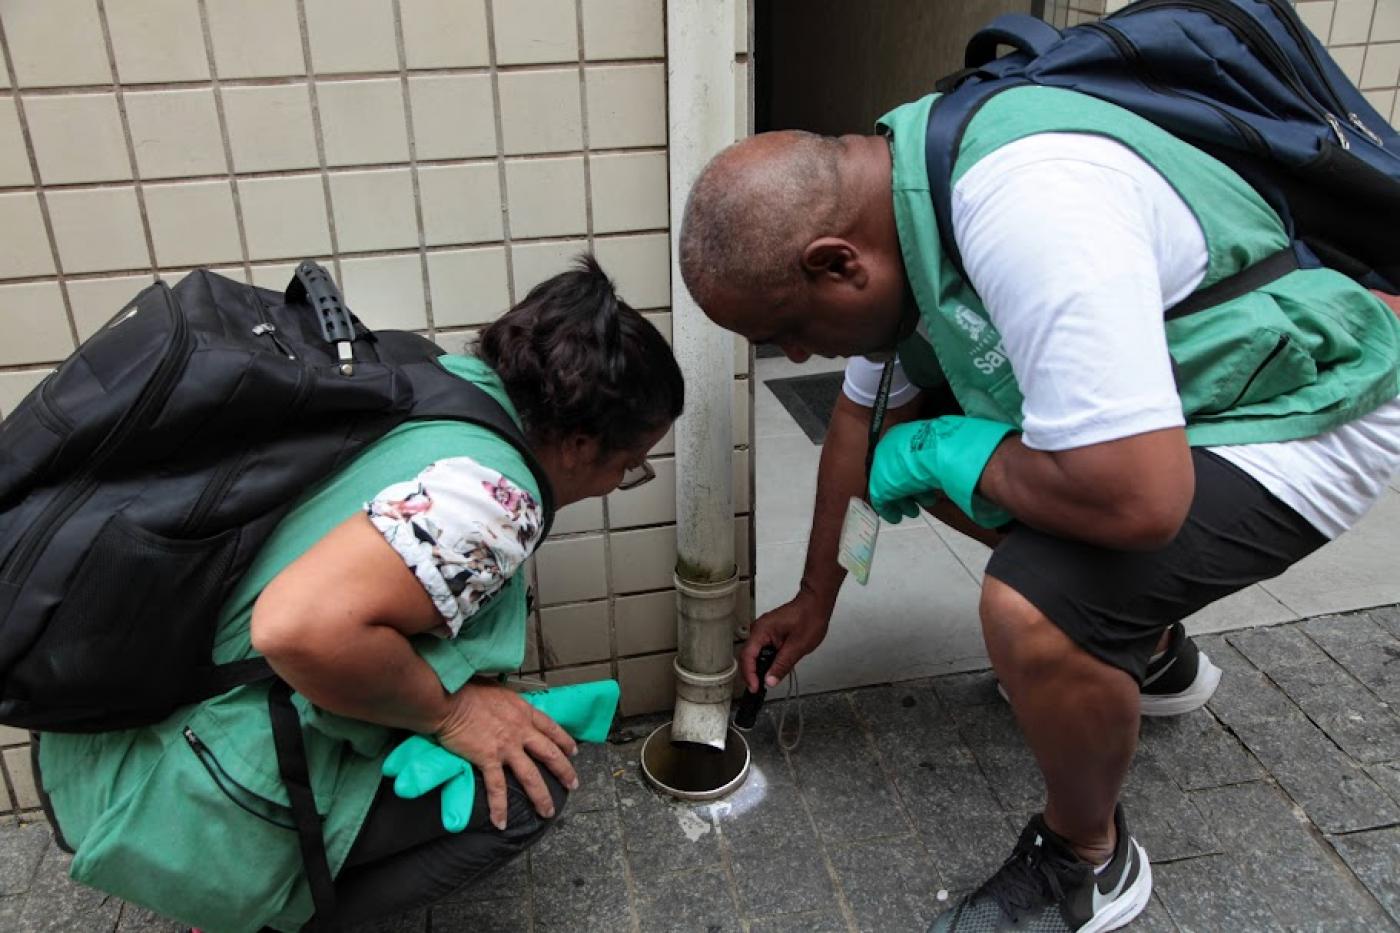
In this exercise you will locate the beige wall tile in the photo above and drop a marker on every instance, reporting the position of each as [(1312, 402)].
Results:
[(545, 197), (97, 301), (1382, 68), (98, 230), (270, 127), (629, 191), (144, 37), (651, 504), (580, 516), (26, 249), (641, 266), (643, 560), (14, 158), (285, 218), (386, 291), (444, 33), (571, 570), (532, 32), (645, 623), (540, 111), (349, 36), (14, 386), (575, 634), (374, 210), (1383, 101), (453, 116), (1318, 18), (55, 42), (626, 106), (9, 735), (34, 323), (578, 675), (4, 69), (175, 133), (1350, 60), (532, 263), (461, 203), (362, 122), (614, 29), (1386, 26), (22, 776), (77, 138), (741, 100), (648, 684), (468, 285), (531, 661), (192, 223), (277, 275), (256, 38), (667, 444), (1352, 21)]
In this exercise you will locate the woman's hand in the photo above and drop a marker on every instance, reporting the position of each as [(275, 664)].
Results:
[(493, 728)]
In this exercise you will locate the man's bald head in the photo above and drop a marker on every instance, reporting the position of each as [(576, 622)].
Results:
[(755, 208)]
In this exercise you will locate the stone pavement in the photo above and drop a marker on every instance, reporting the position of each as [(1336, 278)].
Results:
[(1277, 808)]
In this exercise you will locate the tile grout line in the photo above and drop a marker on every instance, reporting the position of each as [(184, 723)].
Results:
[(507, 244), (402, 51), (224, 138), (303, 23), (38, 187), (119, 91)]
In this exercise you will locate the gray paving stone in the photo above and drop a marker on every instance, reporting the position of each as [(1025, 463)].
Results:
[(1154, 918), (1332, 789), (1247, 697), (688, 902), (585, 846), (1375, 858), (1197, 751), (1294, 873), (57, 904), (896, 712), (1386, 617), (966, 849), (1223, 654), (511, 915), (781, 874), (1362, 725), (1387, 776), (889, 884), (21, 849), (1161, 817), (821, 712), (976, 689), (594, 766), (845, 787), (413, 921), (939, 782), (140, 920), (822, 921), (990, 731), (661, 834), (1376, 664), (1337, 633), (599, 905), (1212, 894), (1276, 646), (11, 907)]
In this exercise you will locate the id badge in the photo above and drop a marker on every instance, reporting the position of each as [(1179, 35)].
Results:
[(858, 534)]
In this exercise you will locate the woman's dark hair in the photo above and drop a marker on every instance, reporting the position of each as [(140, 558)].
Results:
[(576, 359)]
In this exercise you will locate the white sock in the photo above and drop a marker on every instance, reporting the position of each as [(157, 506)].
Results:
[(1098, 869)]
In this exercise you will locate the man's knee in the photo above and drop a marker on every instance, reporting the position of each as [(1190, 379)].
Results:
[(1018, 635), (523, 822)]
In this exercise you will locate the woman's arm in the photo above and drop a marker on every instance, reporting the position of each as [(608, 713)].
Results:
[(335, 625)]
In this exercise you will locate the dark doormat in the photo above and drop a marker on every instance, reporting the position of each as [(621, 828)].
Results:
[(810, 400)]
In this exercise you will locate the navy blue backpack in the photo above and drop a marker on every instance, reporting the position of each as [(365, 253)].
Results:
[(1243, 80)]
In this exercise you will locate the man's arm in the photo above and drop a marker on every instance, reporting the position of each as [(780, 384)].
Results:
[(1130, 494), (798, 626)]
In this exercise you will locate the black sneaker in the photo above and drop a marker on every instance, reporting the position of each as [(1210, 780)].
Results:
[(1045, 887), (1181, 680)]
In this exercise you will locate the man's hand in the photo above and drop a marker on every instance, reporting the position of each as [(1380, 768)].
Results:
[(794, 628), (493, 728)]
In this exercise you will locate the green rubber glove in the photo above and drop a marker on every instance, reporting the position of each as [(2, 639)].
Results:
[(916, 460), (419, 764)]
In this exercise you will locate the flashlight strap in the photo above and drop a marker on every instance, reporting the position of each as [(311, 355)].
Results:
[(877, 418)]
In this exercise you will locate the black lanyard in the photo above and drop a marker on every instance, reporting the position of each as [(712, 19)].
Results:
[(877, 417)]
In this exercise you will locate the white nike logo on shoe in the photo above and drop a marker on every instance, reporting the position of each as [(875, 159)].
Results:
[(1101, 899)]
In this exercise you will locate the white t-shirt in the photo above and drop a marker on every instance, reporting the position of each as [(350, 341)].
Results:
[(1075, 246)]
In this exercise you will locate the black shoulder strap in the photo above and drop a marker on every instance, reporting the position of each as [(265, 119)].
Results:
[(296, 777)]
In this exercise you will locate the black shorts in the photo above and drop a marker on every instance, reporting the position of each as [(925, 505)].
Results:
[(1114, 604)]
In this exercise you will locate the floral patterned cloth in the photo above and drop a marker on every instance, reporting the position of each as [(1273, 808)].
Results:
[(463, 529)]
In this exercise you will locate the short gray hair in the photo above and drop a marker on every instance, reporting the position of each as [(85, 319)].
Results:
[(754, 209)]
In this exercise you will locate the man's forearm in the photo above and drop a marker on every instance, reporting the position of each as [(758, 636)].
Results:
[(840, 476)]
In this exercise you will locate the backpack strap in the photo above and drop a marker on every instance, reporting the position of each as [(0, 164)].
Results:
[(296, 777), (1023, 32)]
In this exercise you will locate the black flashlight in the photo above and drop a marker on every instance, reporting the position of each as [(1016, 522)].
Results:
[(750, 703)]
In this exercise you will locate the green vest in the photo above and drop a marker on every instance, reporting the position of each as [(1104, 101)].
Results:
[(1298, 356), (202, 831)]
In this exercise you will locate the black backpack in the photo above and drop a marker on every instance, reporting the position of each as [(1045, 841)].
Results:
[(139, 480)]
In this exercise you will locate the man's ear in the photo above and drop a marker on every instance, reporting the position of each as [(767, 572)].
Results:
[(832, 260)]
